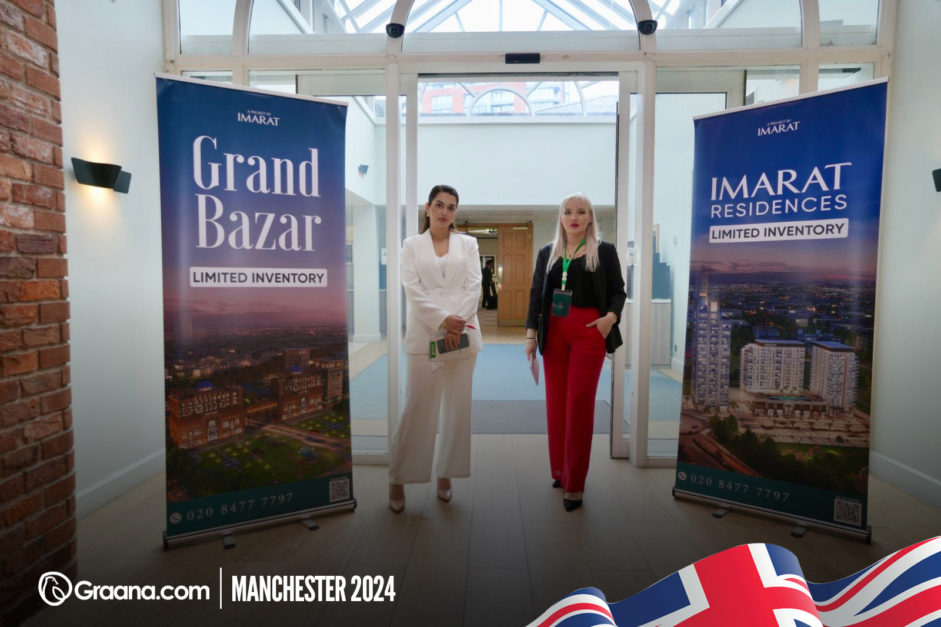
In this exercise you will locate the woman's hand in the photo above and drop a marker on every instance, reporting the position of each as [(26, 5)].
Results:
[(604, 323), (529, 346), (454, 324), (452, 340)]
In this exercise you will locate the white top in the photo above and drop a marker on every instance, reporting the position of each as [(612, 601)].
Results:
[(434, 295), (443, 263)]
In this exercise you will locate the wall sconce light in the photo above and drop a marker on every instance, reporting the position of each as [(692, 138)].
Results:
[(101, 175), (362, 169), (937, 179)]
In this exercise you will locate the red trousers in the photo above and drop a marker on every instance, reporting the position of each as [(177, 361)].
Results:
[(573, 356)]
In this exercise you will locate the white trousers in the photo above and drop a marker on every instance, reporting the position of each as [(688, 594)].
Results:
[(444, 391)]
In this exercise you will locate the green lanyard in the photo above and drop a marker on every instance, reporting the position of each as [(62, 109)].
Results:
[(566, 261)]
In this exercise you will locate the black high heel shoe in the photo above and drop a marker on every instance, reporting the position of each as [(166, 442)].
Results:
[(571, 501)]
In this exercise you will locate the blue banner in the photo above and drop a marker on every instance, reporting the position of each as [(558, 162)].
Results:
[(778, 376), (257, 384)]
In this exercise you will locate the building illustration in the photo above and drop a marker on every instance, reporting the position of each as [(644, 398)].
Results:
[(711, 345), (772, 367), (833, 373)]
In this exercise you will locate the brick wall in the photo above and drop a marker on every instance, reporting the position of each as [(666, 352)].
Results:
[(37, 482)]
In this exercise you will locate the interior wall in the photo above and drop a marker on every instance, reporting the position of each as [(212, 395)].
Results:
[(363, 146), (109, 114), (906, 429)]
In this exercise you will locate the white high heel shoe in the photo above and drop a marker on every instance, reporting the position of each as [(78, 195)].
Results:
[(396, 505), (444, 494)]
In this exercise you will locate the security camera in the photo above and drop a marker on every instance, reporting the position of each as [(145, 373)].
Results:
[(397, 30), (647, 27)]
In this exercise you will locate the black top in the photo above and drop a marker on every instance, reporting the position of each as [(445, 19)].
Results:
[(602, 288), (579, 282)]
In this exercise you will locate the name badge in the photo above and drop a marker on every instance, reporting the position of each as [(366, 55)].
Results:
[(561, 302)]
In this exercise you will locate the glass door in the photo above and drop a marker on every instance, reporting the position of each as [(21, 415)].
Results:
[(514, 146), (681, 96)]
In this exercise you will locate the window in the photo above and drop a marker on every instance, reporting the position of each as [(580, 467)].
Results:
[(442, 104)]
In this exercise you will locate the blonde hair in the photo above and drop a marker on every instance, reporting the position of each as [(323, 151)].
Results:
[(592, 235)]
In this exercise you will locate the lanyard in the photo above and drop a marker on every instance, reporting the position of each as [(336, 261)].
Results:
[(566, 261)]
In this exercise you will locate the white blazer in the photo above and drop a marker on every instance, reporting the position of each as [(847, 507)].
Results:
[(432, 297)]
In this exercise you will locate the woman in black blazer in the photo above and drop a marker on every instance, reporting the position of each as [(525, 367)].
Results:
[(575, 304)]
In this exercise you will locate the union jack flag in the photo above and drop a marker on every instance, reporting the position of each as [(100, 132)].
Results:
[(761, 585)]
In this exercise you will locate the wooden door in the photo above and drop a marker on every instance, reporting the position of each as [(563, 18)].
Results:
[(515, 273)]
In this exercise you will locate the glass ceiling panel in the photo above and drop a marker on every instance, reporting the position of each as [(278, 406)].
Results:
[(285, 17), (728, 24), (489, 16), (707, 14), (206, 26), (359, 16), (274, 17), (848, 22)]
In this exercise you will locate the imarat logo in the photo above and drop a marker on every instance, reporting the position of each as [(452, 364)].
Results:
[(54, 588), (778, 127), (264, 118)]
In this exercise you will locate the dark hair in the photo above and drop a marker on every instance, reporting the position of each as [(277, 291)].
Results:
[(439, 189)]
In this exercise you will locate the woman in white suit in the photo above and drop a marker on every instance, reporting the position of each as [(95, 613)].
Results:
[(441, 275)]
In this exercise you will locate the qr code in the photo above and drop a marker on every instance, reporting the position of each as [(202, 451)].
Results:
[(339, 489), (847, 512)]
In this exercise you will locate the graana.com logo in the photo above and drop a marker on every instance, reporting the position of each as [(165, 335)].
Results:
[(55, 588)]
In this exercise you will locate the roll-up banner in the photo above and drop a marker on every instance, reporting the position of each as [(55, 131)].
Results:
[(778, 378), (255, 339)]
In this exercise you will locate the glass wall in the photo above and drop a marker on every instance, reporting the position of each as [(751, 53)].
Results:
[(843, 75), (673, 180), (213, 77), (764, 84)]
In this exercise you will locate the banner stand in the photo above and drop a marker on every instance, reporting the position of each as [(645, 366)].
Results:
[(256, 338), (226, 533), (776, 405), (800, 523)]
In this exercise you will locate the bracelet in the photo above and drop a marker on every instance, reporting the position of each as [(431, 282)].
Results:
[(531, 338)]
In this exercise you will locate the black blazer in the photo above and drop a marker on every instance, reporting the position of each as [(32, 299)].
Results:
[(607, 284)]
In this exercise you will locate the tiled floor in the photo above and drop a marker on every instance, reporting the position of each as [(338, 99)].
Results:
[(499, 553)]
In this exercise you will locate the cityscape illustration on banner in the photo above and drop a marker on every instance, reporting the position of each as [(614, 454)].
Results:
[(255, 320), (775, 414)]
